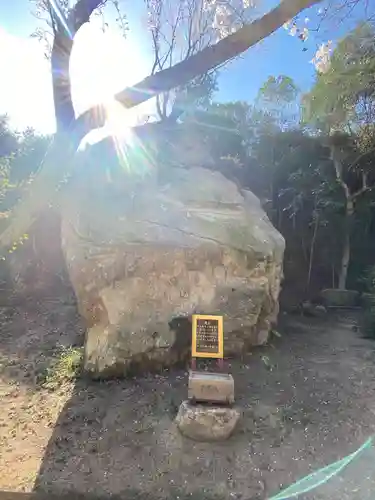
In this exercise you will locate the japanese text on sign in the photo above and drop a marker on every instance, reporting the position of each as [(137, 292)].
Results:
[(207, 341)]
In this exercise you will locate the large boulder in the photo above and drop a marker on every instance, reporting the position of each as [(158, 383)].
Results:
[(162, 247)]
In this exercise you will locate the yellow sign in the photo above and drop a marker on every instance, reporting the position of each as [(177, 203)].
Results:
[(208, 337)]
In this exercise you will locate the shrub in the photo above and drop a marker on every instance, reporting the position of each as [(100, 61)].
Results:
[(65, 367)]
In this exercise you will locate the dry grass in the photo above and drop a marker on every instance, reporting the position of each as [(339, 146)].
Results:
[(65, 367)]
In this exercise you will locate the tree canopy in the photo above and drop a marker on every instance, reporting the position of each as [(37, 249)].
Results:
[(343, 97)]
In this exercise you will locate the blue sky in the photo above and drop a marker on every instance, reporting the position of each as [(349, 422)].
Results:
[(278, 54)]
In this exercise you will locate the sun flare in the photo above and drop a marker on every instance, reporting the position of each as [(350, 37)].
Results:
[(102, 64)]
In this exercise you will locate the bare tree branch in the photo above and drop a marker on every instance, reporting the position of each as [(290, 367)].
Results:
[(81, 12), (338, 166), (155, 47), (207, 59), (162, 40), (53, 22), (364, 187)]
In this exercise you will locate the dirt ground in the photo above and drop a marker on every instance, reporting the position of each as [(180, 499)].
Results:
[(307, 400)]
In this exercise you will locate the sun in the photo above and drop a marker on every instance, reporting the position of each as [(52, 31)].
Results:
[(102, 64)]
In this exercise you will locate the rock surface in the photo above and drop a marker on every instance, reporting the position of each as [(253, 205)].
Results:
[(207, 423), (146, 254), (314, 310)]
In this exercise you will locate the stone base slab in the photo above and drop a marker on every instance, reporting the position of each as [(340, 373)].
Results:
[(207, 422)]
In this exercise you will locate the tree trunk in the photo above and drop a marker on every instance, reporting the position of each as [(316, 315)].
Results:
[(312, 248), (60, 58), (345, 260), (64, 112)]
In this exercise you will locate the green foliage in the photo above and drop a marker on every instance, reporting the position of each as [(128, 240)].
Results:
[(231, 129), (278, 97), (344, 95), (5, 184), (17, 244), (293, 174), (8, 139), (341, 104), (279, 89), (223, 128), (20, 157), (197, 94), (9, 144), (65, 367), (31, 151)]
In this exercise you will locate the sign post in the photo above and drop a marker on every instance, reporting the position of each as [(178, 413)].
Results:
[(208, 342)]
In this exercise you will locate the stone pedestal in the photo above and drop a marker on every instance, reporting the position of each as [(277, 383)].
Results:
[(211, 387), (334, 297), (207, 422)]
